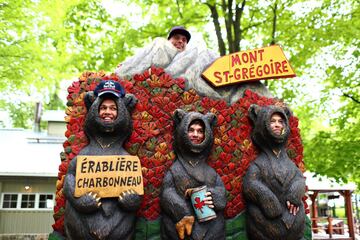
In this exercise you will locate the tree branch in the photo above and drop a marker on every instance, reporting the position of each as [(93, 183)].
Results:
[(215, 17), (178, 8), (228, 19), (13, 56), (229, 26), (237, 28), (253, 25), (273, 41), (351, 97)]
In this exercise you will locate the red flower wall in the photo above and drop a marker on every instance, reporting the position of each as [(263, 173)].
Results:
[(159, 95)]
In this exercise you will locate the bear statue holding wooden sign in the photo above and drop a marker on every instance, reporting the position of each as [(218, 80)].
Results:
[(273, 186), (107, 125), (185, 211)]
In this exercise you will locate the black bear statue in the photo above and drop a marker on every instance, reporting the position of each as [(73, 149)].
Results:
[(193, 140), (107, 125), (273, 186)]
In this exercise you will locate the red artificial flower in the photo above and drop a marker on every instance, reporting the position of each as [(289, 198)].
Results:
[(180, 82), (167, 80), (59, 225), (156, 71), (232, 152), (74, 88), (231, 166), (156, 112), (155, 182), (128, 86), (220, 119), (63, 168), (139, 77)]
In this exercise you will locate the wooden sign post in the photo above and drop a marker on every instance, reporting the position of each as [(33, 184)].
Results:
[(251, 65), (108, 176)]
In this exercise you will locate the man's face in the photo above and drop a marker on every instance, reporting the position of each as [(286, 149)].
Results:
[(179, 41), (196, 133), (276, 124), (108, 110)]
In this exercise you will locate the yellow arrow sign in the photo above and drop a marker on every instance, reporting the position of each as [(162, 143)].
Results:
[(257, 64)]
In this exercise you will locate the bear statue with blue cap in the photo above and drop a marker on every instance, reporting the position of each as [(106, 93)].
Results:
[(109, 87), (89, 216)]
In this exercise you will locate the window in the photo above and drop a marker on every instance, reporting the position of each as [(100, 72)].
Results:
[(10, 201), (46, 201), (24, 201), (28, 201)]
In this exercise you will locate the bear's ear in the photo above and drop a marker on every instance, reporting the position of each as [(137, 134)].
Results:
[(212, 119), (89, 99), (288, 112), (178, 116), (253, 112), (130, 101)]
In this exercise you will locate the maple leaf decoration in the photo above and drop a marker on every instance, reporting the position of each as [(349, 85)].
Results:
[(199, 204), (159, 94)]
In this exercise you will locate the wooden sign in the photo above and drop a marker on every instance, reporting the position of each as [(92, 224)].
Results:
[(108, 176), (251, 65)]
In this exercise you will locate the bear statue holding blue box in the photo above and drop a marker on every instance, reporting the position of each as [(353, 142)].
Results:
[(188, 172)]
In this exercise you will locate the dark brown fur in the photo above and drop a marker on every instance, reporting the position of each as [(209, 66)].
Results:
[(114, 219), (183, 175), (271, 181)]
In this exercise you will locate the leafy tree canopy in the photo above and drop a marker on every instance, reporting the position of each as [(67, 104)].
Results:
[(40, 46)]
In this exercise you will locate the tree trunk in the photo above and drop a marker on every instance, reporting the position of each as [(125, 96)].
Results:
[(232, 13), (273, 38), (215, 17), (227, 11), (237, 28)]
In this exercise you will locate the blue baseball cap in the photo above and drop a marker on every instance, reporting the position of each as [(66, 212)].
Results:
[(179, 30), (109, 87)]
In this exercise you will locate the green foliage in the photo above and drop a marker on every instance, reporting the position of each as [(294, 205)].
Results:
[(307, 232), (29, 59), (319, 39), (327, 97), (98, 39), (22, 114), (340, 212), (39, 47)]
